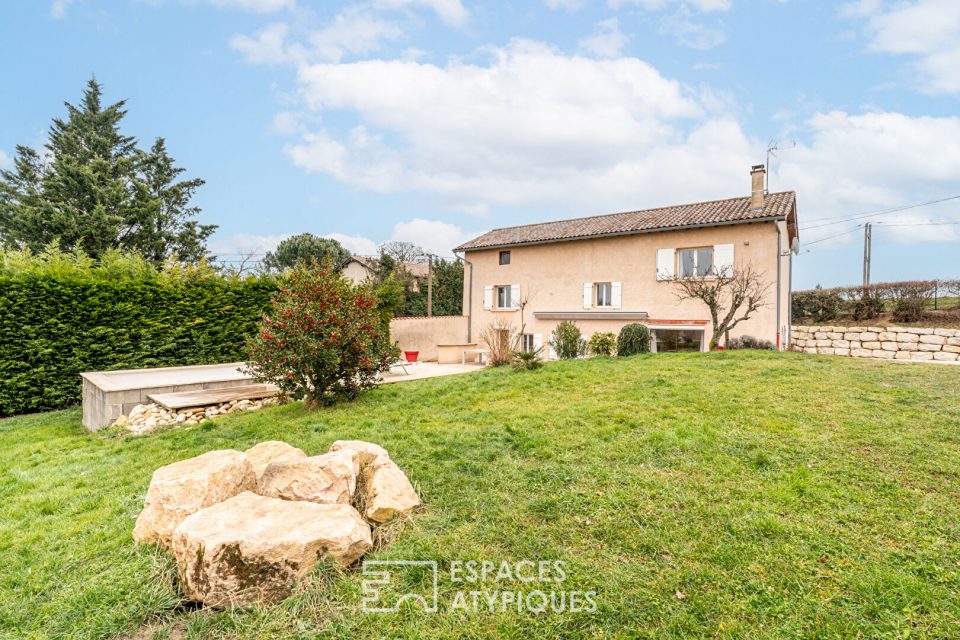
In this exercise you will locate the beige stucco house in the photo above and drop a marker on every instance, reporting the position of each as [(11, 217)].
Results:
[(610, 270)]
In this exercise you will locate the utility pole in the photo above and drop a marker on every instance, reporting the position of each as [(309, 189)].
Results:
[(867, 241), (430, 286)]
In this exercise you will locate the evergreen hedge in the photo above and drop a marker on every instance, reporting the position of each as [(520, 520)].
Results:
[(61, 314)]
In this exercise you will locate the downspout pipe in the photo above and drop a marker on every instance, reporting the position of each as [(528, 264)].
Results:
[(469, 297), (779, 285)]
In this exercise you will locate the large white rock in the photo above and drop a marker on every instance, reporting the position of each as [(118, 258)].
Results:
[(387, 491), (261, 455), (327, 479), (183, 488), (252, 549), (367, 451)]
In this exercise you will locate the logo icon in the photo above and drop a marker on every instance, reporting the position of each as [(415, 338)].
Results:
[(384, 574)]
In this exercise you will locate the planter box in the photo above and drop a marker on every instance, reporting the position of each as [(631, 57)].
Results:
[(109, 394)]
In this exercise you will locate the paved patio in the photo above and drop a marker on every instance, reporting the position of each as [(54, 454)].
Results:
[(422, 370)]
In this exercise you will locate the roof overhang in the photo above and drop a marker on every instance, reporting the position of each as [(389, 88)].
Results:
[(617, 234)]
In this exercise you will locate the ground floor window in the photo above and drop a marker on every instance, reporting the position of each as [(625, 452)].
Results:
[(526, 342), (672, 340)]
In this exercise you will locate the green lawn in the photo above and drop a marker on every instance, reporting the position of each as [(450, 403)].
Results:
[(726, 495)]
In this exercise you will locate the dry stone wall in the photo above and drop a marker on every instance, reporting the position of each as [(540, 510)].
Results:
[(888, 343)]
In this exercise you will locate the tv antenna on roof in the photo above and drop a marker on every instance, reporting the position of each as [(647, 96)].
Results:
[(772, 147)]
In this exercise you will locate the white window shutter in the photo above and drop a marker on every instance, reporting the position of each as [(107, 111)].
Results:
[(665, 264), (615, 291), (537, 341), (723, 258), (587, 295), (515, 296), (551, 352), (488, 298)]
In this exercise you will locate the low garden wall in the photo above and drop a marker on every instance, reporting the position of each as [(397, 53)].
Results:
[(423, 334), (889, 343)]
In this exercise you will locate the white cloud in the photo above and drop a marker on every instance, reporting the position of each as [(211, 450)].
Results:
[(607, 40), (58, 9), (569, 5), (268, 47), (856, 163), (352, 31), (452, 12), (256, 6), (928, 30), (691, 33), (658, 5), (533, 125), (357, 245), (433, 235)]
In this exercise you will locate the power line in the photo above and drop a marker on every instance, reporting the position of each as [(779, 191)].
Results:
[(878, 212)]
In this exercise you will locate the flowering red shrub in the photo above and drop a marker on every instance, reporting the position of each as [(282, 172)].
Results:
[(320, 340)]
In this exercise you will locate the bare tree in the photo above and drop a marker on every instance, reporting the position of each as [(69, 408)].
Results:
[(403, 252), (731, 295)]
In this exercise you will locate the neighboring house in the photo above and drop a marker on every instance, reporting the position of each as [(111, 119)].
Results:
[(607, 271), (359, 269), (362, 268)]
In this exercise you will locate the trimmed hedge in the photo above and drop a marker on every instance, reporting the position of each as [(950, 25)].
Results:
[(906, 301), (60, 316)]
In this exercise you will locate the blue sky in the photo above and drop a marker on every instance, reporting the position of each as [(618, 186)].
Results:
[(434, 120)]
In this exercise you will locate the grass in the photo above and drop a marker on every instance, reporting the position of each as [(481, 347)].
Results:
[(732, 494)]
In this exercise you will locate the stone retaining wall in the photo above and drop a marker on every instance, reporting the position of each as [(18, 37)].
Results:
[(889, 343)]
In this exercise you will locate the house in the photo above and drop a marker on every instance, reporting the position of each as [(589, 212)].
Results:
[(607, 271), (359, 269)]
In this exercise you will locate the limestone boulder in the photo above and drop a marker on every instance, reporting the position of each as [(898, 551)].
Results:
[(367, 451), (252, 549), (387, 491), (261, 455), (183, 488), (327, 479)]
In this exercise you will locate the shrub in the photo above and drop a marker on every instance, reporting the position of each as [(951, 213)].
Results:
[(499, 337), (910, 300), (62, 313), (749, 342), (527, 360), (567, 341), (602, 343), (319, 340), (866, 303), (634, 338), (817, 305)]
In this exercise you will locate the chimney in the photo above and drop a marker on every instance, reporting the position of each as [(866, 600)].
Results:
[(757, 173)]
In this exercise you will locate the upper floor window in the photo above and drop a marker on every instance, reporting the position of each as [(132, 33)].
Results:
[(695, 263), (504, 300), (604, 294), (504, 257)]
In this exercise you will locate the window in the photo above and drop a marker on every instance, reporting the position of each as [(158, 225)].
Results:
[(604, 294), (672, 340), (503, 297), (504, 257), (527, 343), (695, 262)]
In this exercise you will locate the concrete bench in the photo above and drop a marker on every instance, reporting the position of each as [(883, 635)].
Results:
[(109, 394)]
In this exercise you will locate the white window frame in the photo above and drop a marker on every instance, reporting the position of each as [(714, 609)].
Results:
[(528, 342), (677, 327), (607, 301), (696, 259), (505, 291)]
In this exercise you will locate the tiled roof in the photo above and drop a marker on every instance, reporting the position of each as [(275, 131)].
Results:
[(714, 212)]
